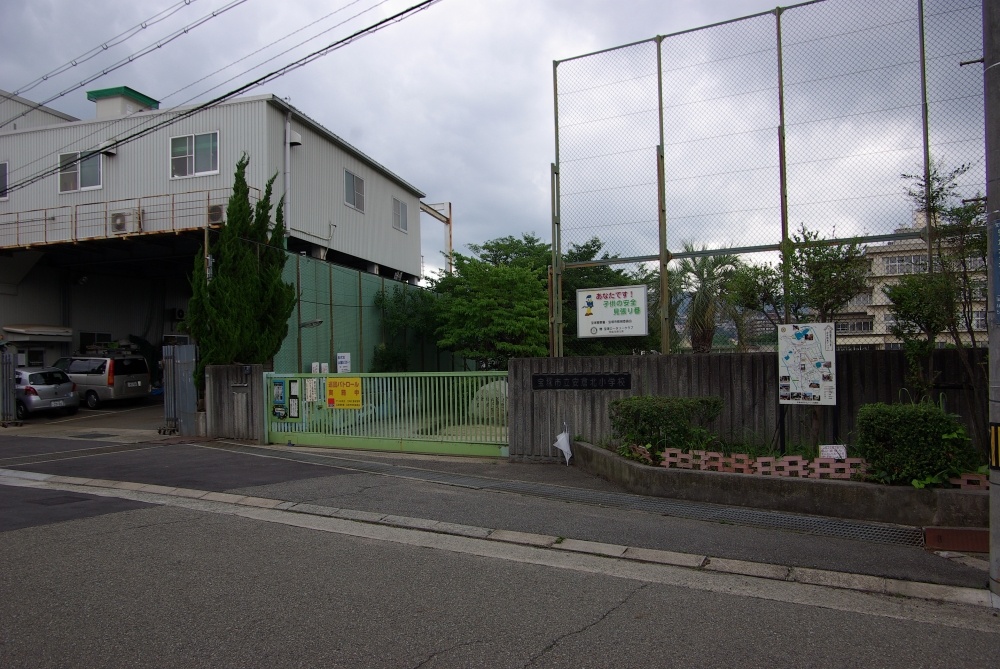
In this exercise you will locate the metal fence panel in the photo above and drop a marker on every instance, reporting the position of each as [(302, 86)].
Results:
[(821, 115), (459, 413), (180, 397), (8, 405)]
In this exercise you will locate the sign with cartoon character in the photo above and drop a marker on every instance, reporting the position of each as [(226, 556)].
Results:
[(612, 312)]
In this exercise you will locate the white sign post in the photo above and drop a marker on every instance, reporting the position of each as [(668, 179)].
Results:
[(807, 370), (612, 312)]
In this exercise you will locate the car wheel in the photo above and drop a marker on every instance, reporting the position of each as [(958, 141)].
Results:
[(93, 401), (22, 411)]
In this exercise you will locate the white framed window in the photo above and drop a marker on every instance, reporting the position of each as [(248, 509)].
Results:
[(855, 326), (860, 300), (79, 173), (354, 191), (3, 181), (979, 319), (194, 155), (399, 215), (913, 264)]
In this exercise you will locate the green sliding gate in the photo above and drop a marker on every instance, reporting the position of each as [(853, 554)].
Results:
[(445, 413)]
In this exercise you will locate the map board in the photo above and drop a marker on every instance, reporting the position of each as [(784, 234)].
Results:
[(807, 370)]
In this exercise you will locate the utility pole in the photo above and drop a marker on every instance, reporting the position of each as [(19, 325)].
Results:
[(991, 95)]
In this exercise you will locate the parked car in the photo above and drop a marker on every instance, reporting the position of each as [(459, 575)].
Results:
[(43, 389), (104, 378)]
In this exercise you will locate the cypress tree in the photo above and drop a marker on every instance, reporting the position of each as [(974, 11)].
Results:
[(241, 314)]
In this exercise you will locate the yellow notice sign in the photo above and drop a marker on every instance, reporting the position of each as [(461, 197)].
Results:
[(343, 392)]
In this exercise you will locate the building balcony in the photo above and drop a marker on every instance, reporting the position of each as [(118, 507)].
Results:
[(148, 215)]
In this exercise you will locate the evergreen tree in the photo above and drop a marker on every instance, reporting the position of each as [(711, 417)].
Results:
[(240, 314)]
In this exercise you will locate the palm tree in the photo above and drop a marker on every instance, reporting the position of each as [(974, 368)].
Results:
[(704, 279)]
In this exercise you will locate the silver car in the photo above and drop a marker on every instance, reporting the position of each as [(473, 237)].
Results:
[(44, 389)]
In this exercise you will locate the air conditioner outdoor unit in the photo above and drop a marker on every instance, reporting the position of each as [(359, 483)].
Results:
[(124, 222), (216, 214)]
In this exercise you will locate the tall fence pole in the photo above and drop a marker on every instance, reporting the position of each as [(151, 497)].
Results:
[(555, 291), (991, 95), (929, 213), (783, 208), (661, 210)]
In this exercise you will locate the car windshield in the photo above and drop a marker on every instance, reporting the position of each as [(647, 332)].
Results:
[(47, 378)]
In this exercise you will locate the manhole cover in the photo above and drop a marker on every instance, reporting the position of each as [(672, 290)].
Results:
[(57, 500)]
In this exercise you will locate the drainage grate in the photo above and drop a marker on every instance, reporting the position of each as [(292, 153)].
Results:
[(818, 525), (92, 435)]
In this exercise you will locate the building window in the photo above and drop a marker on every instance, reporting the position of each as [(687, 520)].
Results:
[(979, 320), (354, 191), (913, 264), (194, 155), (975, 264), (76, 173), (854, 327), (3, 181), (860, 300), (399, 215), (890, 320)]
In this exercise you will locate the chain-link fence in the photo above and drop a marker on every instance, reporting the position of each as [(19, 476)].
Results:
[(793, 125)]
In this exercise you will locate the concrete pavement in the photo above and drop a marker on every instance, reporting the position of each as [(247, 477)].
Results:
[(355, 523), (337, 480)]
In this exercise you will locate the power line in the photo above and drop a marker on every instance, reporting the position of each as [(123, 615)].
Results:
[(125, 61), (281, 39), (114, 122), (294, 65), (104, 46)]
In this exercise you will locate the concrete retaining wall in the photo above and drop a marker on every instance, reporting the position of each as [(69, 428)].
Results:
[(897, 505)]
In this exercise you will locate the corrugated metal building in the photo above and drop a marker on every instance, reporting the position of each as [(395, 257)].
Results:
[(100, 219)]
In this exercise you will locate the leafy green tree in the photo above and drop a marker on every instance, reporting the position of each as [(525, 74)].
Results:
[(240, 314), (825, 277), (813, 281), (407, 313), (924, 305), (528, 251), (751, 290), (493, 311), (948, 297)]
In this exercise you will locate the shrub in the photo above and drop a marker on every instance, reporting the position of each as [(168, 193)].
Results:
[(663, 422), (907, 442)]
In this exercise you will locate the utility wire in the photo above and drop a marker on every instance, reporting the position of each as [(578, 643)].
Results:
[(280, 39), (113, 42), (294, 65), (101, 128), (125, 61)]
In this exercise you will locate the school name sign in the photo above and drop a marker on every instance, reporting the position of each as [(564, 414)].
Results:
[(612, 312)]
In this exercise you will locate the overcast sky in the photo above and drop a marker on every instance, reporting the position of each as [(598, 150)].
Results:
[(457, 99)]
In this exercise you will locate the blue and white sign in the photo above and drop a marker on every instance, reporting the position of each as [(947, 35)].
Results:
[(807, 369)]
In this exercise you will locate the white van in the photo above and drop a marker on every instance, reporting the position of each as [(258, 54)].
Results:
[(103, 378)]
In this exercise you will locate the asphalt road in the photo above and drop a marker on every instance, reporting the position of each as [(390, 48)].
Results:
[(99, 577)]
